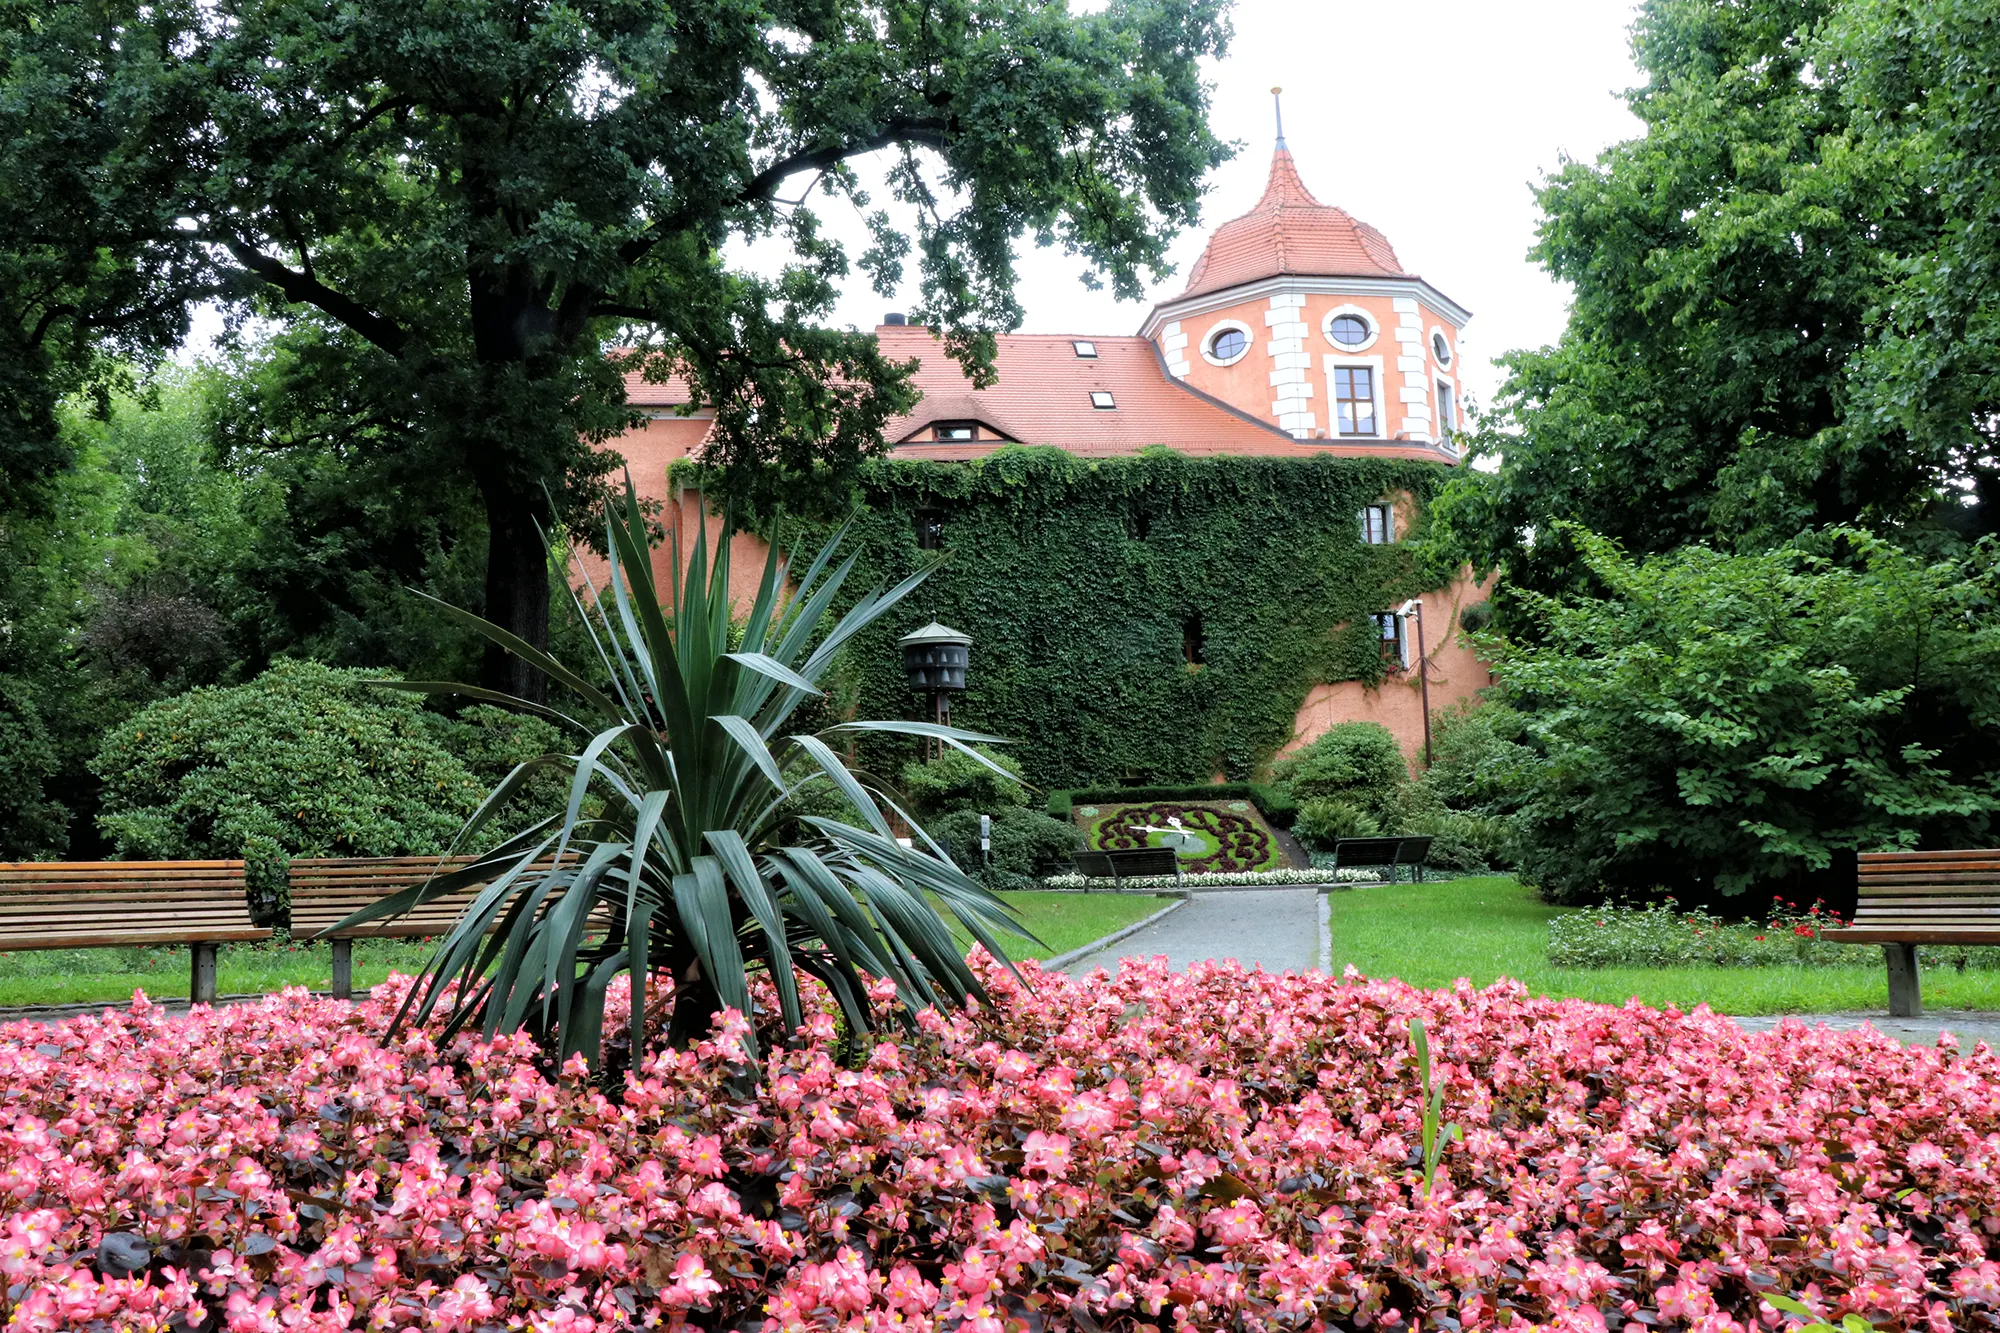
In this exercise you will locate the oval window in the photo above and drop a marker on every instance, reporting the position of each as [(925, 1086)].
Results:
[(1348, 331), (1440, 349), (1228, 345)]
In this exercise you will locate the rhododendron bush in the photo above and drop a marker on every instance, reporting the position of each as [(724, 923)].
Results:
[(1213, 1149)]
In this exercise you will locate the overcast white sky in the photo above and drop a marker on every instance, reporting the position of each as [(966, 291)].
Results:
[(1431, 121)]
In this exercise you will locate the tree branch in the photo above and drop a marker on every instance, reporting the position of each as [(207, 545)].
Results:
[(929, 131), (926, 130), (304, 289), (605, 309)]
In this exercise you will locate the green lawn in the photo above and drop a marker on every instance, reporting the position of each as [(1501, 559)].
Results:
[(1486, 928), (1066, 921), (71, 976), (68, 976)]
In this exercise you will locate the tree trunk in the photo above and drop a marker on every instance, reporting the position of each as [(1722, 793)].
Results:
[(517, 588)]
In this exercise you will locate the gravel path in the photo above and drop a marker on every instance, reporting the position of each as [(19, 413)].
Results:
[(1278, 928)]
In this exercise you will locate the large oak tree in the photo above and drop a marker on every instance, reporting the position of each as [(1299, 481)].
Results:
[(459, 204), (1784, 297)]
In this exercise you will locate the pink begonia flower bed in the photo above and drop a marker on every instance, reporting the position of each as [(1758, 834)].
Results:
[(1214, 1149)]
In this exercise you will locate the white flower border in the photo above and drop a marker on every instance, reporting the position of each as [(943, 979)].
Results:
[(1241, 879)]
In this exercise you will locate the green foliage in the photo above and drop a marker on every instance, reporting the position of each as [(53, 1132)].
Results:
[(697, 862), (1718, 722), (1078, 621), (1325, 820), (1927, 124), (1276, 806), (1435, 1133), (1027, 844), (1461, 843), (31, 824), (305, 757), (1782, 297), (1355, 762), (1479, 763), (1665, 934), (456, 207), (956, 781)]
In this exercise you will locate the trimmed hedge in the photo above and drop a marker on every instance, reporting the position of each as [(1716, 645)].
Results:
[(1276, 807)]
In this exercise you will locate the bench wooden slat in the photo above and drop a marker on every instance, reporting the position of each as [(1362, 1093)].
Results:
[(132, 939), (1904, 899), (1915, 935), (129, 904)]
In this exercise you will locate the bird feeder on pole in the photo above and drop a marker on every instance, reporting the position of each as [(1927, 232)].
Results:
[(935, 659)]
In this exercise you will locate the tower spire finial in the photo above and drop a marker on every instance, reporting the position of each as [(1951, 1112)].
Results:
[(1278, 108)]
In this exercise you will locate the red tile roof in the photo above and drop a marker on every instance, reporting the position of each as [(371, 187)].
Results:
[(1290, 232), (1042, 396)]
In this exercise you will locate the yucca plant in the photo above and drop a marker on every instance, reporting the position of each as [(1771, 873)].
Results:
[(680, 853)]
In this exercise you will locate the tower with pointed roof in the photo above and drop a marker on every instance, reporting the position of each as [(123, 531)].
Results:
[(1301, 315)]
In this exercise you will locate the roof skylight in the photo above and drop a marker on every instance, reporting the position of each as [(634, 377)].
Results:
[(1102, 398)]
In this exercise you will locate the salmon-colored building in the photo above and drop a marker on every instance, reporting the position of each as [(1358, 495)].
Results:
[(1299, 334)]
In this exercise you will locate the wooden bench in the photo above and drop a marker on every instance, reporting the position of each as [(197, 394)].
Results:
[(128, 904), (1136, 861), (1905, 899), (1383, 854), (327, 890)]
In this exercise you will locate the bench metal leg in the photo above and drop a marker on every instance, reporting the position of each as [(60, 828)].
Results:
[(343, 969), (201, 981), (1905, 997)]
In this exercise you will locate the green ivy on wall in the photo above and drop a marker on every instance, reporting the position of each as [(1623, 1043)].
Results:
[(1081, 580)]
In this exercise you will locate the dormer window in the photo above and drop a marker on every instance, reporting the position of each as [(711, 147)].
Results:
[(955, 430), (1102, 400), (1085, 348)]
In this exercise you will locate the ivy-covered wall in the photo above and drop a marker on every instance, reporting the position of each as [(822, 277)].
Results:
[(1079, 579)]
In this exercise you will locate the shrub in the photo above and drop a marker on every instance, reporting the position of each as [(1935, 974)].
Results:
[(305, 758), (1207, 1149), (1460, 842), (1713, 722), (1357, 762), (1479, 765), (697, 869), (1026, 844), (956, 781), (1324, 821)]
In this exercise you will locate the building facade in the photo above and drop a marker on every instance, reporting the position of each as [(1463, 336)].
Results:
[(1299, 337)]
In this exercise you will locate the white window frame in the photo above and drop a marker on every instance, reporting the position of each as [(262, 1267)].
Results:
[(1334, 361), (1223, 326), (1388, 509), (1402, 639), (1450, 358), (1342, 349), (1446, 388)]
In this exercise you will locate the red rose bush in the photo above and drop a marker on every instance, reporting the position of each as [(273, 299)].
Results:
[(1210, 1149)]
